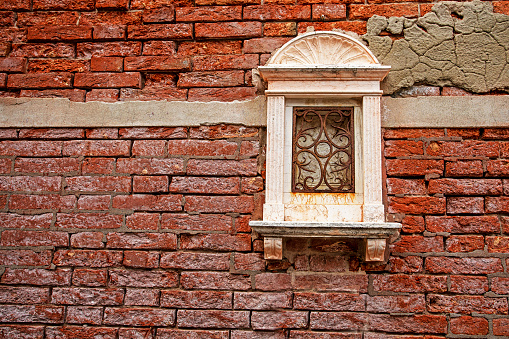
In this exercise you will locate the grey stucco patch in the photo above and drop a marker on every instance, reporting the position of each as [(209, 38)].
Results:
[(463, 45)]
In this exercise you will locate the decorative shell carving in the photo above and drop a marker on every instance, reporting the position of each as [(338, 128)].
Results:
[(323, 48)]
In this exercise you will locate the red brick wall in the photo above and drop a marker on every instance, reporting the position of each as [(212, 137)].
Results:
[(143, 233), (199, 50)]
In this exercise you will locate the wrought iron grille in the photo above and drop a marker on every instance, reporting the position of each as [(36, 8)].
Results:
[(323, 150)]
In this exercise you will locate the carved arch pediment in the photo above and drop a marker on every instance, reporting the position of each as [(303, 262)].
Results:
[(323, 48)]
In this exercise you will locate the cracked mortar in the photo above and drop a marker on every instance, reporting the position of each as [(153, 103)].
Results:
[(463, 45)]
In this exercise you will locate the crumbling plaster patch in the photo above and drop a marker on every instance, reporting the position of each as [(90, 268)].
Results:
[(457, 44)]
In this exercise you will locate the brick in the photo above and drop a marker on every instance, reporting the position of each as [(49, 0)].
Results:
[(113, 4), (413, 324), (263, 45), (162, 14), (406, 186), (37, 276), (109, 32), (96, 148), (141, 259), (501, 326), (145, 202), (262, 301), (216, 204), (8, 133), (87, 240), (139, 316), (396, 304), (277, 12), (216, 242), (413, 133), (410, 283), (273, 320), (496, 134), (87, 258), (101, 133), (417, 205), (45, 202), (149, 184), (403, 148), (71, 94), (141, 297), (114, 18), (31, 148), (497, 204), (156, 63), (59, 33), (24, 295), (47, 19), (328, 263), (5, 166), (10, 220), (34, 238), (5, 48), (211, 79), (465, 133), (228, 30), (151, 166), (464, 243), (471, 205), (463, 224), (25, 258), (246, 167), (107, 80), (497, 168), (153, 133), (94, 202), (202, 147), (208, 13), (209, 47), (224, 62), (87, 296), (15, 4), (7, 19), (196, 299), (51, 133), (338, 320), (466, 304), (329, 335), (150, 94), (84, 315), (329, 11), (249, 148), (465, 186), (68, 332), (98, 184), (466, 148), (146, 279), (40, 80), (497, 244), (88, 220), (273, 281), (500, 285), (105, 49), (160, 48), (329, 301), (142, 240), (413, 167), (412, 224), (417, 91), (205, 185), (469, 325), (13, 34), (13, 64), (249, 262), (142, 221), (32, 314), (463, 265), (252, 185), (467, 168), (89, 277), (387, 10), (3, 80), (324, 282), (166, 333), (160, 31), (462, 284), (63, 4), (215, 281), (409, 264), (195, 261), (221, 94), (200, 222), (279, 29), (450, 91), (212, 319), (106, 64), (151, 148), (418, 244)]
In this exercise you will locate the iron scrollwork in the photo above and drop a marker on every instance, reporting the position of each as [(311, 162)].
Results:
[(323, 149)]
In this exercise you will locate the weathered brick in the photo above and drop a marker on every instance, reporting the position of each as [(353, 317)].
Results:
[(37, 276), (87, 258), (59, 33), (294, 334), (94, 202), (101, 133), (114, 4), (150, 184), (463, 224), (208, 13), (414, 167), (224, 62), (211, 79), (404, 133), (396, 304), (143, 221), (410, 283), (500, 285), (141, 297), (96, 148), (418, 244), (273, 281), (31, 148), (151, 148), (88, 220), (497, 244), (276, 29), (162, 14), (84, 315), (142, 240), (501, 326), (409, 264), (249, 262), (34, 238), (252, 185), (469, 325), (156, 63), (403, 148), (150, 94), (213, 319), (15, 4), (40, 80), (63, 4), (89, 277), (114, 18), (262, 301), (25, 258), (5, 48), (497, 168), (338, 320), (11, 220), (13, 64), (471, 205), (145, 202), (210, 47), (497, 204), (107, 80), (215, 281), (247, 167), (98, 184), (199, 222), (466, 148), (246, 29), (465, 186), (462, 284), (115, 48), (216, 204), (151, 166), (329, 301), (77, 95), (216, 242), (412, 224), (387, 10), (466, 304), (141, 259), (139, 316), (417, 205), (87, 240), (221, 94), (329, 11), (167, 333), (326, 282), (464, 243), (24, 295), (152, 133), (196, 261), (6, 165), (157, 47), (131, 278), (106, 64), (463, 265), (406, 186), (466, 168), (273, 320), (205, 185), (58, 66), (160, 31), (32, 314), (97, 165), (7, 18), (87, 296), (196, 299), (109, 32), (68, 332)]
